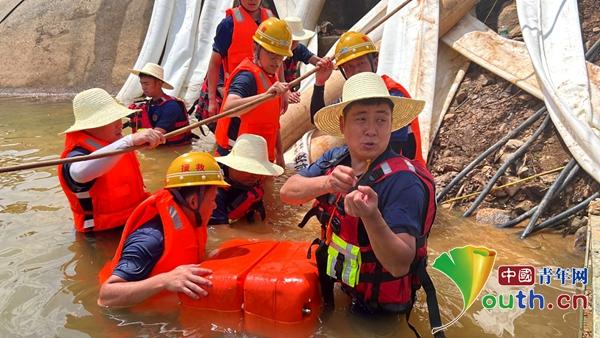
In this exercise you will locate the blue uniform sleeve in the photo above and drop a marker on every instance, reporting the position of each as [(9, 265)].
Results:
[(302, 54), (400, 134), (142, 249), (223, 37), (168, 114), (402, 201), (75, 186), (320, 166), (243, 85)]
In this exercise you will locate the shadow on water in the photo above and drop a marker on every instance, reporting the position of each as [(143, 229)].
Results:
[(48, 284)]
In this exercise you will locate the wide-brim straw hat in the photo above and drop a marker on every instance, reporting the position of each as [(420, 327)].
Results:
[(154, 70), (249, 154), (298, 31), (362, 86), (95, 108)]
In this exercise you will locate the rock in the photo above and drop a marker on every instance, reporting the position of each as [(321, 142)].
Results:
[(448, 117), (461, 97), (578, 222), (522, 207), (442, 180), (535, 191), (579, 244), (513, 144), (486, 79), (492, 216), (594, 207), (71, 45), (508, 20), (500, 193), (523, 171), (452, 164), (596, 29)]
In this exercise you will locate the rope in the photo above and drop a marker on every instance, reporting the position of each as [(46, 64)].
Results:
[(505, 185)]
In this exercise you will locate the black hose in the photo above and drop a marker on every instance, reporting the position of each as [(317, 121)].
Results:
[(529, 212), (490, 150), (549, 195), (555, 220), (11, 11), (505, 166)]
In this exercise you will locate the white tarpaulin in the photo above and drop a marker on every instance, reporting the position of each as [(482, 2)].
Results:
[(551, 31), (408, 54)]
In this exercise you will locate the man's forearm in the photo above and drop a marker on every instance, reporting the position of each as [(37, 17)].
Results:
[(234, 101), (298, 189), (395, 252), (117, 292), (214, 67)]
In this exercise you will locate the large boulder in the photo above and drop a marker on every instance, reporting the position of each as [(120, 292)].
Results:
[(66, 46)]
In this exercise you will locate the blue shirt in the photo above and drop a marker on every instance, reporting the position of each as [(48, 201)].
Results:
[(166, 115), (141, 251), (402, 196), (302, 54)]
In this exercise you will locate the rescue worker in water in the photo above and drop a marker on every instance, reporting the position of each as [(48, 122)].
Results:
[(251, 80), (103, 192), (160, 111), (164, 238), (376, 207)]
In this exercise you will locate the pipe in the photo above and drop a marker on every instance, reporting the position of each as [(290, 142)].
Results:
[(490, 150), (555, 220), (549, 195), (505, 166), (525, 215)]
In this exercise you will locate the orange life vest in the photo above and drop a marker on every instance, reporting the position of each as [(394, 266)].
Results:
[(143, 119), (183, 242), (112, 197), (241, 46), (414, 125), (262, 120)]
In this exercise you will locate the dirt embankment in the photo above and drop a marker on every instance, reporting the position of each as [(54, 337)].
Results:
[(485, 109)]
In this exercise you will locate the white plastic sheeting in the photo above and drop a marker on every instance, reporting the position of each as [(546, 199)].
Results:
[(551, 31), (156, 36), (408, 54), (185, 46)]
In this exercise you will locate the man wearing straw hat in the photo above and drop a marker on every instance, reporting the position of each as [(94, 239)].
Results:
[(246, 167), (301, 53), (251, 80), (376, 207), (356, 53), (165, 237), (102, 192), (160, 111)]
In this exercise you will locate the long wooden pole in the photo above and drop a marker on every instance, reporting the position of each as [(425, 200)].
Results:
[(255, 102)]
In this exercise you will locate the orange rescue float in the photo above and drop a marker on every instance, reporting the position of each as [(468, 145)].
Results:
[(271, 285)]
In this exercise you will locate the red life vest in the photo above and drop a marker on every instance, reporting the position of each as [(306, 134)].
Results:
[(143, 119), (112, 197), (262, 120), (241, 46), (246, 204), (184, 243), (377, 288), (414, 125)]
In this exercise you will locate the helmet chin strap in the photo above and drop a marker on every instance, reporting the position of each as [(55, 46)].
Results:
[(182, 202)]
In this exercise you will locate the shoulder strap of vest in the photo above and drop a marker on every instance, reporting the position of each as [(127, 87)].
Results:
[(236, 13), (266, 13)]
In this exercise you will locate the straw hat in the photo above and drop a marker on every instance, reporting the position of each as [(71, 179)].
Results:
[(298, 32), (249, 154), (95, 108), (367, 85), (154, 70)]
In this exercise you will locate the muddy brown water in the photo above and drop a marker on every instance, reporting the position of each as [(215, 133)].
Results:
[(48, 272)]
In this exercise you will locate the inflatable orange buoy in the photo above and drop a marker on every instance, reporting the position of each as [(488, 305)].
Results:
[(272, 284)]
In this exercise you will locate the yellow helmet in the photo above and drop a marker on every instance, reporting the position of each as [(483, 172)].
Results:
[(351, 46), (194, 169), (275, 36)]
